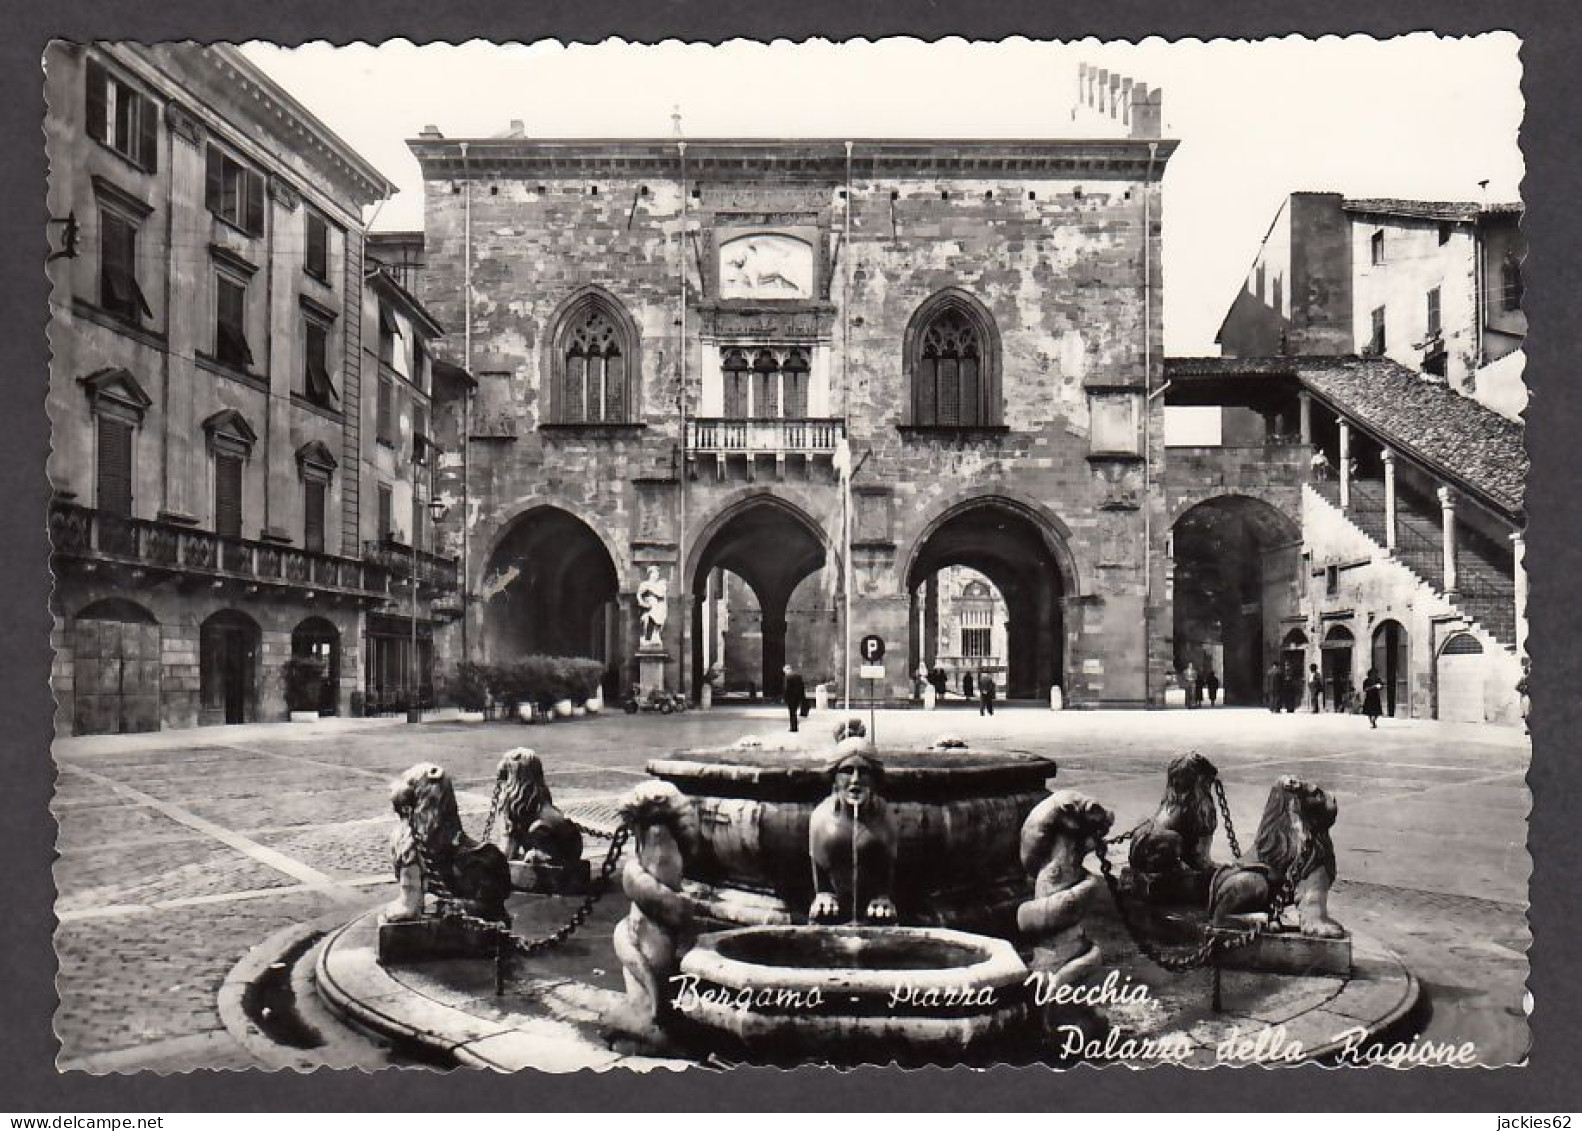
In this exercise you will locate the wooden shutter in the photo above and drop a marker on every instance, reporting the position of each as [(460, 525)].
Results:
[(115, 467), (313, 515), (228, 495), (385, 506), (214, 182), (254, 220), (147, 134), (97, 97)]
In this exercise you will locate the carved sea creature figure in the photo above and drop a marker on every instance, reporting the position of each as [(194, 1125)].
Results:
[(650, 940), (852, 841), (475, 875), (1294, 848)]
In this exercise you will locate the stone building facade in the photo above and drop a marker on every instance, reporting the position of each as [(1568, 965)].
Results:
[(684, 348), (210, 329)]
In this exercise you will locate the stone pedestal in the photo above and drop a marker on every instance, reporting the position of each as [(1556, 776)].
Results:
[(1288, 952), (651, 670), (550, 879), (429, 939)]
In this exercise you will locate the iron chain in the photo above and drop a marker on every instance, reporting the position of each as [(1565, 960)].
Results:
[(1224, 812)]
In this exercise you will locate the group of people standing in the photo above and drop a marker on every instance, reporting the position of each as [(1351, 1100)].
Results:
[(1284, 688), (1199, 685)]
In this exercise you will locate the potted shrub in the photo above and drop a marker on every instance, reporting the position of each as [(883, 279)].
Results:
[(304, 682)]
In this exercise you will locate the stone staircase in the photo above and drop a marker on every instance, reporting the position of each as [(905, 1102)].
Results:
[(1485, 572)]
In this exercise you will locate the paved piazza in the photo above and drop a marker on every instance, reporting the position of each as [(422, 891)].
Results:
[(179, 851)]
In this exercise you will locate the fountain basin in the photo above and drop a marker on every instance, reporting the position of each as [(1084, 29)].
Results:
[(872, 992), (958, 815)]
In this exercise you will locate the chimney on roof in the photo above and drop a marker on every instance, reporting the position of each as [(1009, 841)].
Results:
[(518, 128), (430, 131), (1148, 111)]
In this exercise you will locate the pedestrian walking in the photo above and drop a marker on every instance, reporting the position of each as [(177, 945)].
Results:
[(1211, 682), (966, 687), (986, 690), (1315, 687), (795, 695), (1194, 691), (1274, 687), (1371, 687)]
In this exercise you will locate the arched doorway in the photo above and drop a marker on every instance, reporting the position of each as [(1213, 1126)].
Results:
[(228, 668), (550, 588), (318, 639), (771, 548), (1293, 668), (115, 669), (1236, 572), (1389, 660), (1459, 676), (1337, 666), (1017, 556)]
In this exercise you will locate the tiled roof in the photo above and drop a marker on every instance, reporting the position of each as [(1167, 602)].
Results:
[(1428, 209), (1471, 446)]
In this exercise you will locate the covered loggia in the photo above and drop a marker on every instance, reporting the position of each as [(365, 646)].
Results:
[(1236, 575), (1022, 558), (550, 588), (772, 548)]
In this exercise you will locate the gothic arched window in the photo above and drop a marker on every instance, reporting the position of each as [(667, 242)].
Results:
[(954, 364), (594, 363)]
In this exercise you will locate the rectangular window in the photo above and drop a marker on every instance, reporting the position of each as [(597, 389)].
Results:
[(317, 385), (230, 323), (975, 643), (1511, 289), (313, 515), (1331, 580), (1433, 313), (1377, 247), (123, 119), (385, 425), (228, 495), (114, 495), (386, 532), (422, 370), (234, 193), (1377, 343), (118, 289), (316, 262), (389, 331)]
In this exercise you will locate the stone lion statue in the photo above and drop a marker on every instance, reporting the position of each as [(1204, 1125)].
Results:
[(1170, 850), (535, 830), (852, 840), (650, 940), (1293, 846), (476, 875)]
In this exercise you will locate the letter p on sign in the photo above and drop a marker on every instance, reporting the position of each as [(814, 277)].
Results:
[(872, 648)]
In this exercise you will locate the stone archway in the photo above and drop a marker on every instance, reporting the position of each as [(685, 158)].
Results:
[(1237, 566), (549, 587), (1025, 562), (773, 547), (229, 643), (116, 665)]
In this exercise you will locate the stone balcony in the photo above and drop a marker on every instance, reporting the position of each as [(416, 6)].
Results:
[(763, 445), (150, 551), (435, 574)]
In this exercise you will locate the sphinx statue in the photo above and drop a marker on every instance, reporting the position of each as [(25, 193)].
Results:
[(542, 844), (852, 841), (650, 940)]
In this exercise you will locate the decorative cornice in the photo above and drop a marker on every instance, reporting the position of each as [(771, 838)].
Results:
[(108, 190), (823, 160), (184, 125), (282, 192), (238, 263)]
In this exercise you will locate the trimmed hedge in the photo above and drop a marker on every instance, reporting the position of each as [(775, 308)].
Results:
[(540, 680)]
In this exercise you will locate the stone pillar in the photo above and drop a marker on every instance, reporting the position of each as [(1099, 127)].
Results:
[(1389, 500), (931, 620), (1345, 465), (1519, 546), (1305, 400), (1447, 507)]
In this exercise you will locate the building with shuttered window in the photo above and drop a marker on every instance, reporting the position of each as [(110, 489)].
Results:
[(222, 427)]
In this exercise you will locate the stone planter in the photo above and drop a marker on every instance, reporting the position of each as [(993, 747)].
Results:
[(869, 993), (469, 716), (578, 712), (596, 704), (958, 814), (524, 711), (563, 708), (304, 716)]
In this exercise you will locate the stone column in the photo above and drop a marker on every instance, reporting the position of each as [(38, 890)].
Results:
[(1305, 400), (1519, 546), (1345, 465), (1447, 507), (1389, 500)]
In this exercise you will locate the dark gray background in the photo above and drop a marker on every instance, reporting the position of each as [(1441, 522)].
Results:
[(1552, 34)]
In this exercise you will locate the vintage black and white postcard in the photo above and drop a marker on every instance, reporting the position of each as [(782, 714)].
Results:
[(648, 557)]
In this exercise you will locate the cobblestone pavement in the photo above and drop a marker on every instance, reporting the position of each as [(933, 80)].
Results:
[(179, 851)]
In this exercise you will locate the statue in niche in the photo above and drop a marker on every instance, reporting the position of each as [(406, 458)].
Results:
[(653, 599), (852, 840)]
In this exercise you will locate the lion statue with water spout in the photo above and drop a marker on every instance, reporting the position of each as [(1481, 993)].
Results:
[(535, 830), (1170, 850), (474, 876), (1294, 852), (852, 841)]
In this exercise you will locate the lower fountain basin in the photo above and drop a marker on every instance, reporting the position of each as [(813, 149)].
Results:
[(957, 813), (873, 993)]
